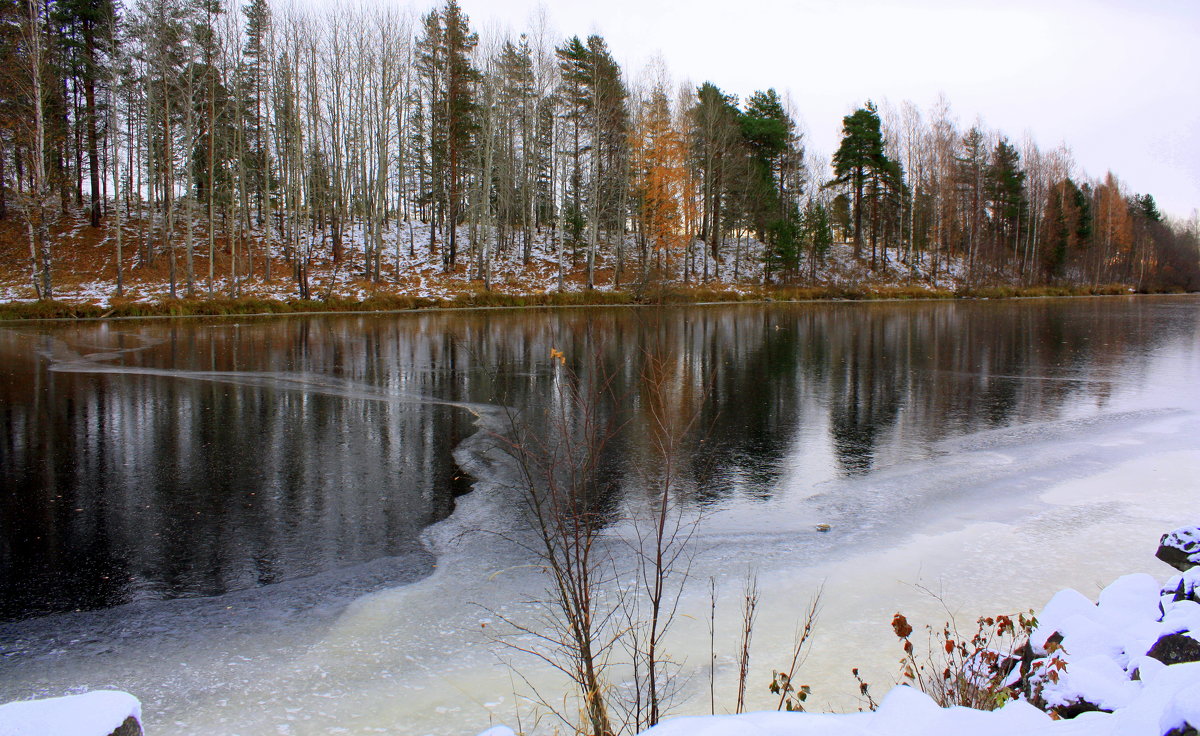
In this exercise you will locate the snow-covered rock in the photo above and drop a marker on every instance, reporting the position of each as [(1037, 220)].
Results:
[(98, 713), (1175, 649), (1185, 587), (1181, 548)]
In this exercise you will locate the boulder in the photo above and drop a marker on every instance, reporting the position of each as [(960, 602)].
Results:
[(1175, 649), (1185, 587), (1181, 548), (1076, 708), (130, 727)]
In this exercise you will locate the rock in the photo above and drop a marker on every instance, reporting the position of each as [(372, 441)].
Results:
[(1175, 649), (130, 727), (1181, 548), (1077, 708), (1187, 730), (1185, 587), (823, 527)]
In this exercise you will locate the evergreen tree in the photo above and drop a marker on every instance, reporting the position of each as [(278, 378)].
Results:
[(970, 178), (769, 135), (714, 137), (818, 234), (87, 24), (596, 112), (1147, 207), (444, 63), (858, 154), (254, 81), (1005, 186)]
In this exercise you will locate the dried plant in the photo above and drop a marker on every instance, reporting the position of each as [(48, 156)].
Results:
[(792, 697), (983, 670), (749, 604)]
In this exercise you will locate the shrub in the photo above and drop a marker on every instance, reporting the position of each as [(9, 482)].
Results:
[(982, 671)]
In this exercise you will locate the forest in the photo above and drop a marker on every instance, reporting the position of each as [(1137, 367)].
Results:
[(227, 145)]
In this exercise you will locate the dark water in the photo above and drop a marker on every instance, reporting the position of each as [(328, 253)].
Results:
[(180, 459)]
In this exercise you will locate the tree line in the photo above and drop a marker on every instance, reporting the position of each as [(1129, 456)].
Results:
[(271, 134)]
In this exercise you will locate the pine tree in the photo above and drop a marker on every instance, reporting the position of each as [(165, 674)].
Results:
[(715, 137), (970, 180), (818, 234), (1005, 188), (860, 151), (88, 23), (594, 107), (461, 78)]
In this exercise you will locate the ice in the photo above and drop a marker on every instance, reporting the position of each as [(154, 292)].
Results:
[(995, 523)]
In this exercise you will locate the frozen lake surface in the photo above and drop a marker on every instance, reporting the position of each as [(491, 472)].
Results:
[(232, 520)]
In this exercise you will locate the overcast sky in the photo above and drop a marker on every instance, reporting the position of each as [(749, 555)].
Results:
[(1117, 80)]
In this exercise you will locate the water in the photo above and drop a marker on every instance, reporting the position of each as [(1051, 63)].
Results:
[(231, 519)]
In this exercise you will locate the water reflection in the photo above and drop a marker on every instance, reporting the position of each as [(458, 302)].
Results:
[(152, 460)]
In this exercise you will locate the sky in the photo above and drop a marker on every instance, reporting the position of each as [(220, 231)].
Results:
[(1116, 80)]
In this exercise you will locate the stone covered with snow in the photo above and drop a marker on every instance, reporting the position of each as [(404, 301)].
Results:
[(1181, 548), (1185, 587), (98, 713)]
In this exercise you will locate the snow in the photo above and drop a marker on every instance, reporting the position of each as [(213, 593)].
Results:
[(97, 713), (1102, 644)]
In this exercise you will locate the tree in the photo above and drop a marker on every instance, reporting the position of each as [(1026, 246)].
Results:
[(858, 154), (970, 179), (33, 41), (460, 77), (594, 105), (1113, 231), (449, 79), (715, 137), (658, 165), (88, 24), (818, 234), (1005, 188)]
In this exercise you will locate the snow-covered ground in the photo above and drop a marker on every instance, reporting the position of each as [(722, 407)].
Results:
[(410, 269), (1104, 645), (1091, 656)]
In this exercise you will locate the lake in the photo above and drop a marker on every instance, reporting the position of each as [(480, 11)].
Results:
[(268, 525)]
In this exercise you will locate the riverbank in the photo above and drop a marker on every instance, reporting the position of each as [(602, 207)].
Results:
[(219, 306), (86, 278)]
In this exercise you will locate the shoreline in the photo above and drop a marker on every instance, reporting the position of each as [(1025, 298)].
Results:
[(54, 311)]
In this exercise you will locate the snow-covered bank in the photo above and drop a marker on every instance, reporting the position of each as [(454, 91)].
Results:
[(1126, 674), (410, 269)]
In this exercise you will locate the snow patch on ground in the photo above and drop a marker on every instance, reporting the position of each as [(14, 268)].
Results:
[(97, 713), (410, 265)]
